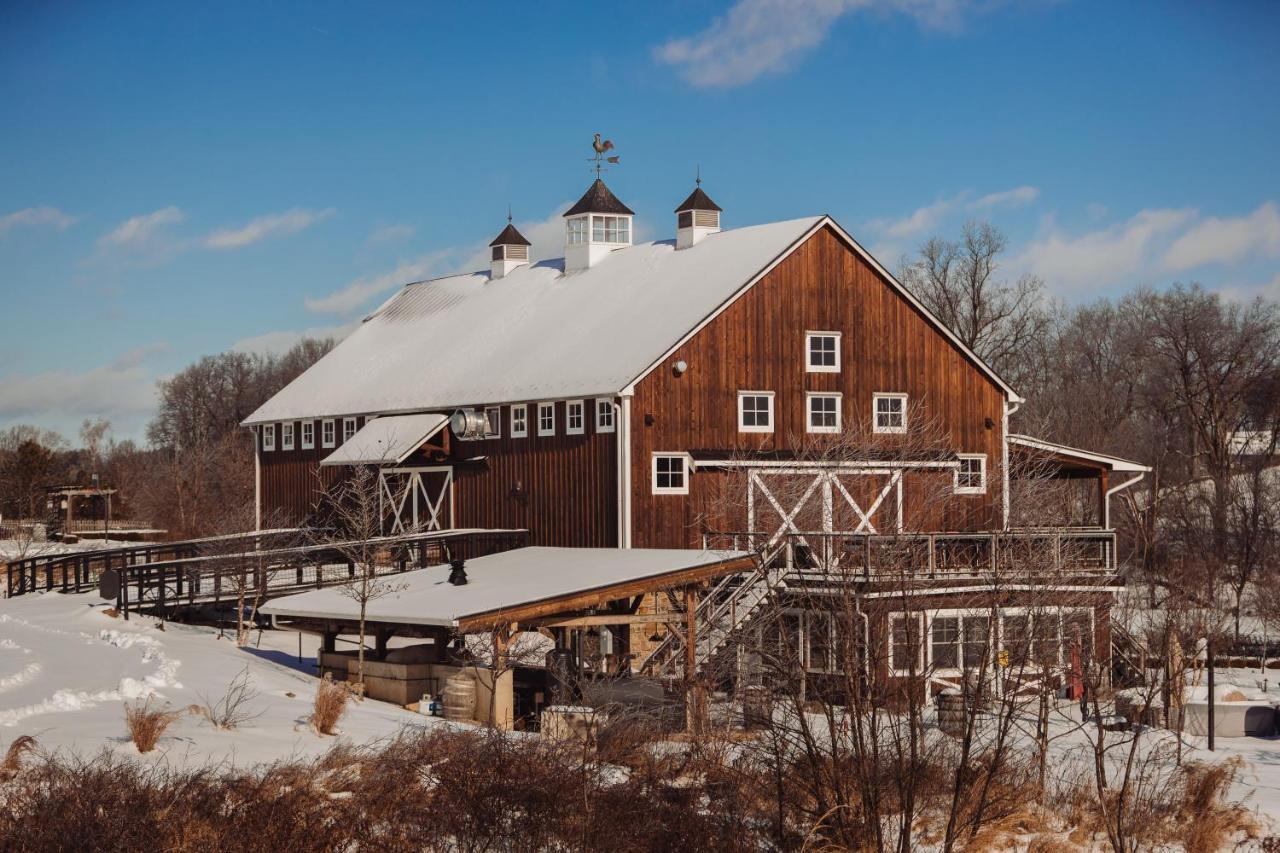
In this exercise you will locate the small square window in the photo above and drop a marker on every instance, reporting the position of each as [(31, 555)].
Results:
[(328, 433), (824, 413), (604, 416), (286, 436), (546, 419), (308, 435), (575, 417), (519, 421), (348, 428), (269, 437), (670, 474), (755, 411), (493, 419), (890, 412), (822, 352), (971, 476)]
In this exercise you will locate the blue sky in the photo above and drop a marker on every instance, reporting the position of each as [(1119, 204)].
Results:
[(179, 179)]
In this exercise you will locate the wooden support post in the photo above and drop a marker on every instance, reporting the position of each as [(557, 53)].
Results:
[(380, 638), (1211, 663), (328, 641), (695, 705)]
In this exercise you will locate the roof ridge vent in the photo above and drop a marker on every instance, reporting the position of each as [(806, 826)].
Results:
[(696, 217), (508, 252)]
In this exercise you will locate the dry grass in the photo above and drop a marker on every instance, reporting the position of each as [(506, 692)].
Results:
[(147, 724), (13, 756), (1208, 821), (232, 710), (330, 705)]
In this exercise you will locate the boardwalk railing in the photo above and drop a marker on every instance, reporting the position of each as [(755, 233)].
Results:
[(254, 567)]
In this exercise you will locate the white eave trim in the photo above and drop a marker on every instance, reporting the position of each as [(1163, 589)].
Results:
[(1114, 463)]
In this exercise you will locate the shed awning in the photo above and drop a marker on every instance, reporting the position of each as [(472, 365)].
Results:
[(388, 440), (1073, 459)]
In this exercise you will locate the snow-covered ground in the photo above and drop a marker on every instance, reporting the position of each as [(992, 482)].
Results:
[(67, 669)]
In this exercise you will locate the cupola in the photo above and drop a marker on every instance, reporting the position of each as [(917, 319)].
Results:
[(594, 227), (696, 217), (508, 251)]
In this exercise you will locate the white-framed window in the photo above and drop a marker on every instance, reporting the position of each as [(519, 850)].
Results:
[(308, 435), (493, 421), (670, 474), (889, 412), (822, 352), (820, 641), (546, 419), (575, 417), (971, 476), (286, 436), (328, 433), (519, 421), (604, 416), (906, 638), (348, 428), (823, 412), (610, 229), (755, 411), (577, 230), (268, 437)]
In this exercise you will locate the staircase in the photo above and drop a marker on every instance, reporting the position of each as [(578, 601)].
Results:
[(1128, 658)]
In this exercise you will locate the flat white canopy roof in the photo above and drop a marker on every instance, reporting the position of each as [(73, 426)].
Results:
[(387, 440), (498, 582), (1114, 463)]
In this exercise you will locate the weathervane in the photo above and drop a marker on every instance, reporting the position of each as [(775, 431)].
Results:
[(602, 147)]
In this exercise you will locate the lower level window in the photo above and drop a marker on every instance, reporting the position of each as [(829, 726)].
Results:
[(824, 413), (971, 476), (905, 644), (670, 474)]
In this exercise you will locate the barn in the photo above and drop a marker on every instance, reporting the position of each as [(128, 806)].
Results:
[(771, 388)]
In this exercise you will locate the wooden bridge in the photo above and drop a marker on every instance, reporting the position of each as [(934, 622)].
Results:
[(241, 568)]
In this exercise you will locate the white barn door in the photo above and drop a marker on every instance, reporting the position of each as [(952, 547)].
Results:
[(416, 499)]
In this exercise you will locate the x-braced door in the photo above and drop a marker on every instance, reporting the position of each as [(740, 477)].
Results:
[(415, 499)]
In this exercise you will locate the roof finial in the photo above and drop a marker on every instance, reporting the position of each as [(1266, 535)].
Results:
[(698, 180), (508, 213)]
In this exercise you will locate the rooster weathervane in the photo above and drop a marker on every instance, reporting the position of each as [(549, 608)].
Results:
[(602, 148)]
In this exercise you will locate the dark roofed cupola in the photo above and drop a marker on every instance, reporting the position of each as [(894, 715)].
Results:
[(696, 217), (594, 227), (508, 251)]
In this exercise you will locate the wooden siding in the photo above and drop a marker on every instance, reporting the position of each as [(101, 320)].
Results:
[(758, 343), (292, 480)]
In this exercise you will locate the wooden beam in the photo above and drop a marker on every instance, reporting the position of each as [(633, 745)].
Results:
[(595, 621)]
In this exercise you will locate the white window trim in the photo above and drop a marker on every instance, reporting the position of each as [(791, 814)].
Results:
[(996, 637), (773, 413), (523, 410), (653, 472), (489, 432), (268, 437), (875, 413), (286, 435), (328, 433), (308, 443), (552, 429), (353, 431), (981, 488), (603, 403), (568, 421), (809, 366), (808, 412)]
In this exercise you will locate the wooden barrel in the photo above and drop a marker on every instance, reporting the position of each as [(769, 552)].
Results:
[(951, 715), (460, 698)]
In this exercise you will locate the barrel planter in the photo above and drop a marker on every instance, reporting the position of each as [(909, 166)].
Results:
[(951, 712), (460, 698)]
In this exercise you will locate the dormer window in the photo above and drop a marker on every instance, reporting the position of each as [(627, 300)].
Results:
[(577, 231), (595, 227), (611, 229)]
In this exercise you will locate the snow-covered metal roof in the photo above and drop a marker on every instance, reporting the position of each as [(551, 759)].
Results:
[(1113, 463), (537, 333), (501, 581), (387, 440)]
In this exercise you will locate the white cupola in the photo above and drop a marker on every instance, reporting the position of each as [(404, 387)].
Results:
[(508, 251), (595, 226), (696, 217)]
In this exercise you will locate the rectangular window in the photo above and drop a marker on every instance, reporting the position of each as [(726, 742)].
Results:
[(905, 644), (268, 436), (890, 412), (308, 435), (575, 417), (670, 474), (328, 434), (519, 421), (577, 231), (946, 642), (1046, 629), (755, 411), (604, 416), (348, 428), (824, 413), (493, 415), (821, 641), (971, 476), (546, 419), (823, 350), (977, 641), (286, 436), (610, 229), (1015, 640)]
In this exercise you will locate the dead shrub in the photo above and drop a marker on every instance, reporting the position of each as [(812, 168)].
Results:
[(330, 705), (13, 756), (1207, 820), (231, 710), (147, 724)]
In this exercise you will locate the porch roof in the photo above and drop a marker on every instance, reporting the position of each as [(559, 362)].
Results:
[(1072, 461), (387, 440)]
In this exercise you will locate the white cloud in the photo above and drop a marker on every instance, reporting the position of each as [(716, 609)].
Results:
[(272, 225), (123, 389), (51, 216), (918, 222), (1225, 241), (275, 343), (389, 234), (357, 294), (142, 231), (758, 37), (1104, 257), (546, 237), (1015, 197)]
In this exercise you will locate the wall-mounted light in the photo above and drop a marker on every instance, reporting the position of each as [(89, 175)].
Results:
[(680, 367)]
